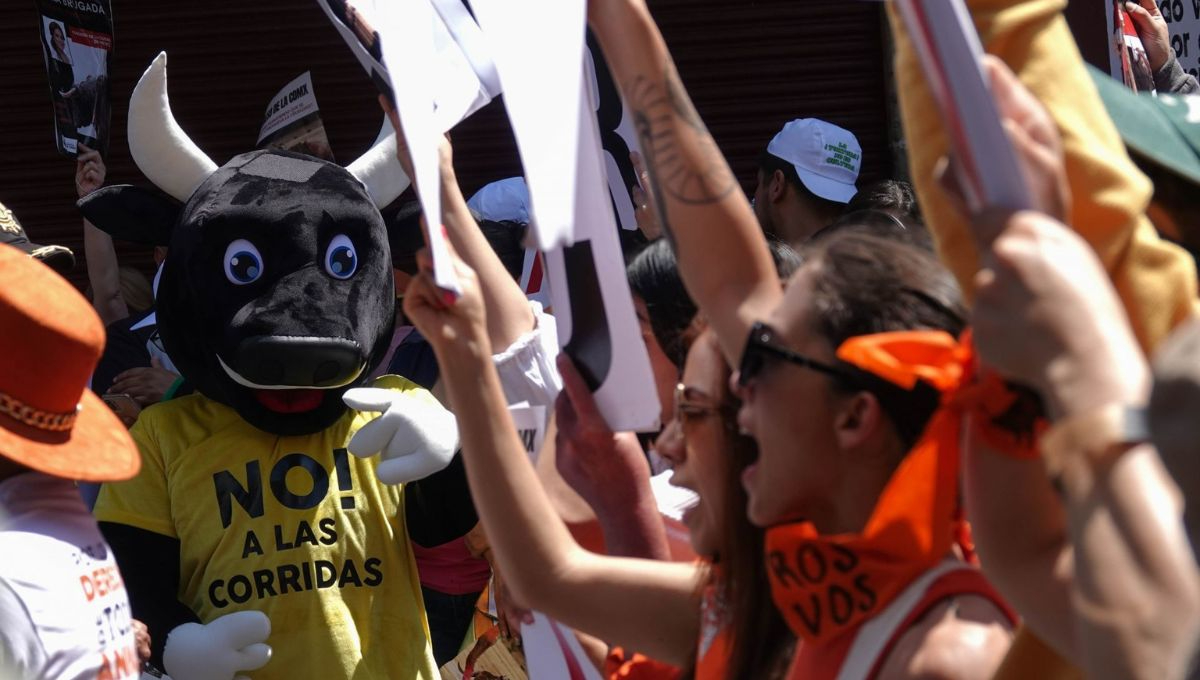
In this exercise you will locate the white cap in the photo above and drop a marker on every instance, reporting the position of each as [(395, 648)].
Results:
[(505, 200), (826, 157)]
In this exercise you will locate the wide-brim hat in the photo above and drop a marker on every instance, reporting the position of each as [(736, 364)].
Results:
[(1161, 129), (49, 420), (58, 258)]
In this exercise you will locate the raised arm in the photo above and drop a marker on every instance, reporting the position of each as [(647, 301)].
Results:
[(649, 606), (1124, 558), (722, 254), (98, 248), (509, 315)]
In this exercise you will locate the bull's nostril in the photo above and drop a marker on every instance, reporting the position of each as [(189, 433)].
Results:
[(326, 370)]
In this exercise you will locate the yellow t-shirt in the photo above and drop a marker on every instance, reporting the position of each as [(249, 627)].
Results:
[(294, 527)]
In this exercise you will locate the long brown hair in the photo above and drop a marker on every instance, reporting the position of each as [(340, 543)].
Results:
[(761, 642)]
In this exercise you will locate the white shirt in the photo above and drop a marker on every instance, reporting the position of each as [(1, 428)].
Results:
[(64, 613)]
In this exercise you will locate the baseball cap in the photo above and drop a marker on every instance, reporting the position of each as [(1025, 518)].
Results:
[(826, 157), (1163, 129), (58, 258), (505, 200), (49, 420)]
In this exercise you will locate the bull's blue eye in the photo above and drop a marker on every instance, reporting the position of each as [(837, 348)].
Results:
[(341, 260), (243, 263)]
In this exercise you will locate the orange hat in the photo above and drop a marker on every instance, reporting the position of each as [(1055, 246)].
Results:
[(51, 340)]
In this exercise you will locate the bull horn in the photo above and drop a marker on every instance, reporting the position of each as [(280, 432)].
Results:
[(160, 148), (379, 170)]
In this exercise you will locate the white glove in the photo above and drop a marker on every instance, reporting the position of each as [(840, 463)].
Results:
[(219, 649), (415, 437)]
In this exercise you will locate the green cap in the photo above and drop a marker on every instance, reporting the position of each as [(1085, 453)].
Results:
[(1162, 129)]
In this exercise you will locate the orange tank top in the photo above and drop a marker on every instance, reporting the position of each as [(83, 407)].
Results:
[(860, 652)]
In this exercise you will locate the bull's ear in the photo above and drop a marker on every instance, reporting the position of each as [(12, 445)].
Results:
[(132, 213)]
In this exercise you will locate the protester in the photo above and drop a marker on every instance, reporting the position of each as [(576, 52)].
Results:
[(892, 196), (806, 176), (63, 608), (58, 258), (102, 266), (453, 569)]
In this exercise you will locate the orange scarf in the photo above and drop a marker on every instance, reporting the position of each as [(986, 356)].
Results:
[(827, 585)]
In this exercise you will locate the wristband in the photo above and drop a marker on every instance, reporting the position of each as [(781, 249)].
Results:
[(1095, 439), (170, 393)]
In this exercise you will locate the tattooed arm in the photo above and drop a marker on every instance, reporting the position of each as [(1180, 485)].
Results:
[(722, 254)]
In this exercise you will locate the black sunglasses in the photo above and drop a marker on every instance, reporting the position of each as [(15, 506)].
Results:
[(761, 349)]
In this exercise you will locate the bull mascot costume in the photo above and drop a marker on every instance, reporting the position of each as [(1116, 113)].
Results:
[(262, 533)]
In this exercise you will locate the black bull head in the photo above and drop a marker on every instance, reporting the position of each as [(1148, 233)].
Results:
[(277, 294)]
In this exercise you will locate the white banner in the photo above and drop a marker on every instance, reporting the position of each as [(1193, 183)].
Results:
[(538, 47)]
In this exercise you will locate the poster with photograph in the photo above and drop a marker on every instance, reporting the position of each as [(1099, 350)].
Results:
[(77, 40), (1130, 64), (293, 122)]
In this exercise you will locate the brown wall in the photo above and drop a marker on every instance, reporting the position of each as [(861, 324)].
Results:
[(751, 65)]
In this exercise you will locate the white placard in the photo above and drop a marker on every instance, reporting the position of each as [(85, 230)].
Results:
[(295, 101), (597, 325), (538, 48), (406, 33), (440, 73)]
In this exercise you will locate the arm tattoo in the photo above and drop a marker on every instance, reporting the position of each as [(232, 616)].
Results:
[(665, 119)]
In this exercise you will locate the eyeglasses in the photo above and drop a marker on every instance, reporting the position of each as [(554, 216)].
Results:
[(688, 408), (762, 349)]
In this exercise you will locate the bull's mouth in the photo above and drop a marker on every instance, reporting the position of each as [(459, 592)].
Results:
[(285, 399), (290, 401)]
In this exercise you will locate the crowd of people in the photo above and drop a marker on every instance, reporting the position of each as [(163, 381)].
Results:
[(919, 441)]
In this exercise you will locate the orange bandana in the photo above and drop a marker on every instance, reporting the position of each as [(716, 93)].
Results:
[(826, 585)]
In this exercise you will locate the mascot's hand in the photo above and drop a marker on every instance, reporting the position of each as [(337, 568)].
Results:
[(415, 437), (218, 650)]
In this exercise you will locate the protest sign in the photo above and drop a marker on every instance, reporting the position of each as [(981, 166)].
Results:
[(543, 84), (77, 40), (1127, 54), (597, 325), (293, 121), (617, 134), (952, 59), (441, 74)]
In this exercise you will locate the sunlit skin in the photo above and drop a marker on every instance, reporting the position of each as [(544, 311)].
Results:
[(824, 455)]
